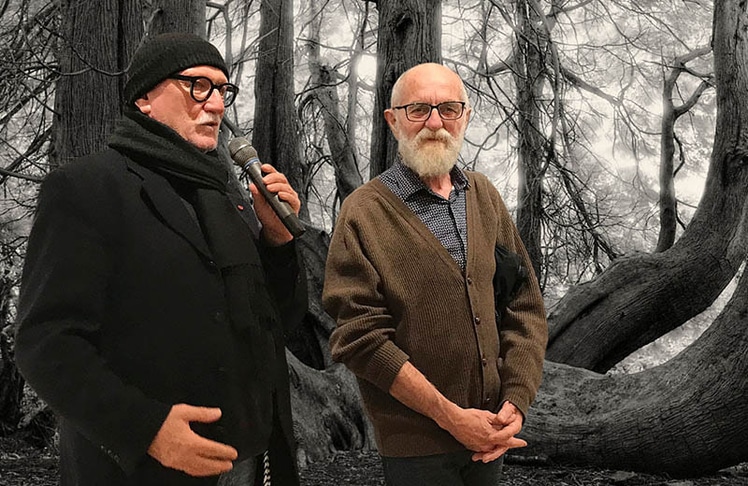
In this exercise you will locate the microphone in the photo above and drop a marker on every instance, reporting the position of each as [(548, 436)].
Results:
[(245, 156)]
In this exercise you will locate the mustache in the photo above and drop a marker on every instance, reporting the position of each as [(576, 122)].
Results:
[(441, 135), (209, 119)]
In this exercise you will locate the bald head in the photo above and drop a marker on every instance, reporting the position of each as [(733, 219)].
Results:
[(423, 75)]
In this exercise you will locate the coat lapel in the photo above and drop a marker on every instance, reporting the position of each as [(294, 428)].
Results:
[(247, 213), (172, 209)]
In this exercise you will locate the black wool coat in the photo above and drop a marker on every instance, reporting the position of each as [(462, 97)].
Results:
[(122, 314)]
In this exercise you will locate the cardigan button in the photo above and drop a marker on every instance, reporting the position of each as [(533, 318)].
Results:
[(470, 281), (477, 320)]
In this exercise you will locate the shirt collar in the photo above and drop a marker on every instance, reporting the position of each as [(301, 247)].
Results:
[(408, 183)]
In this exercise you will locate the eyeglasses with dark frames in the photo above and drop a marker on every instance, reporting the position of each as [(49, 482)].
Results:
[(418, 112), (201, 88)]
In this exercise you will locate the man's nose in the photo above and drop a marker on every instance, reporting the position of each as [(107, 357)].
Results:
[(214, 103), (434, 121)]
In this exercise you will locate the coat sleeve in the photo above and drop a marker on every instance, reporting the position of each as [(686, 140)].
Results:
[(286, 278), (61, 311), (364, 337)]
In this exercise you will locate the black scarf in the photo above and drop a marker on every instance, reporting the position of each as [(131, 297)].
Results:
[(202, 180)]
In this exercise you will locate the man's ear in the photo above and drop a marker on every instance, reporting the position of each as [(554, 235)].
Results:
[(389, 116), (143, 104)]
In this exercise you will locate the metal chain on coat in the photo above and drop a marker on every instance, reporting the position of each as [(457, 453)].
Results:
[(266, 469)]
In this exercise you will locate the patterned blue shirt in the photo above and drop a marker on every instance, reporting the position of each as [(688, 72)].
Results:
[(445, 218)]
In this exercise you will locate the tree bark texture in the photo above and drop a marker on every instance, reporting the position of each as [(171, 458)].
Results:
[(327, 412), (642, 297), (409, 34), (684, 418), (324, 82), (276, 127), (530, 45), (92, 53), (178, 16), (342, 156), (668, 201), (11, 382)]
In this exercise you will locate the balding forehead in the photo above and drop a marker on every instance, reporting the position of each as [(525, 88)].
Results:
[(425, 75)]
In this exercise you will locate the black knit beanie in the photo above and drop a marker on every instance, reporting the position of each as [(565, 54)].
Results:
[(165, 54)]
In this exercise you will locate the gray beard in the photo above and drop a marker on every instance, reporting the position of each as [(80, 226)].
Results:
[(430, 159)]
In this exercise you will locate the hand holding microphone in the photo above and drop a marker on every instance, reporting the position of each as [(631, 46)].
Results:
[(245, 156)]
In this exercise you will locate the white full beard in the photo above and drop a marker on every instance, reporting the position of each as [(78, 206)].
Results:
[(429, 153)]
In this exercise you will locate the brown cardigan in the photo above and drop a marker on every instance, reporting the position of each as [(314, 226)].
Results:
[(398, 295)]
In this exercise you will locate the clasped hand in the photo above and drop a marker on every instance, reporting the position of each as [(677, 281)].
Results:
[(488, 434)]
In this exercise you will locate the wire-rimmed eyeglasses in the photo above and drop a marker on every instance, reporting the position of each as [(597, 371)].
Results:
[(201, 88), (418, 112)]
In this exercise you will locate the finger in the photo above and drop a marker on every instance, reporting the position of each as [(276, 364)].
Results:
[(515, 427), (515, 443), (511, 427), (507, 414), (210, 449), (199, 414), (292, 199), (486, 457), (268, 169), (271, 176), (499, 436), (283, 190), (201, 467), (499, 450), (504, 417)]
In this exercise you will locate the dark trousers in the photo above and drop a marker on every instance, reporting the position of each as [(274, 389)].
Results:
[(452, 469)]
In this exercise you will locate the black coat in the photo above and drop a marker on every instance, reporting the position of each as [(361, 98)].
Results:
[(122, 314)]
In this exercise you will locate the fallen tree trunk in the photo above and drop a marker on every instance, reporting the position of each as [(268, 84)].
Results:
[(684, 418)]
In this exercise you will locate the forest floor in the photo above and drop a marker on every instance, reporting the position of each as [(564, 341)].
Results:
[(24, 465)]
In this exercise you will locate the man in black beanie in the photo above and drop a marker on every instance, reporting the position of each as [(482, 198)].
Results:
[(155, 297)]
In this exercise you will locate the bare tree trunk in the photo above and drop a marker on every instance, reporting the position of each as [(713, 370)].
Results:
[(11, 382), (409, 34), (276, 131), (640, 298), (670, 115), (324, 84), (683, 418), (93, 55), (530, 45), (178, 16)]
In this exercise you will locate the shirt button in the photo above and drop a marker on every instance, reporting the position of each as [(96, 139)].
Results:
[(484, 361)]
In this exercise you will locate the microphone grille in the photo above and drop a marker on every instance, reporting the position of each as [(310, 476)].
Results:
[(241, 151)]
